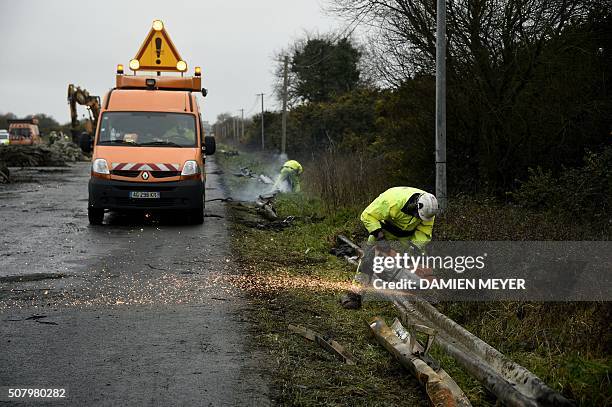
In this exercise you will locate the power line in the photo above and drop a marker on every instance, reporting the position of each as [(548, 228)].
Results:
[(254, 104)]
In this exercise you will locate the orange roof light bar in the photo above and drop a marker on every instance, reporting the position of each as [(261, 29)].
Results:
[(193, 83)]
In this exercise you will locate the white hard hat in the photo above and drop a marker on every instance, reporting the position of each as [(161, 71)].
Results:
[(428, 206)]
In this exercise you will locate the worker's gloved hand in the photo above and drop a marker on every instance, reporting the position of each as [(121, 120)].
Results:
[(378, 234)]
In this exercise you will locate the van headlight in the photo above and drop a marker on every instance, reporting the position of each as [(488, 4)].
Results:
[(190, 168), (100, 166)]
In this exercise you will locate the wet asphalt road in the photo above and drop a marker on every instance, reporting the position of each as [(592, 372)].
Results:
[(134, 312)]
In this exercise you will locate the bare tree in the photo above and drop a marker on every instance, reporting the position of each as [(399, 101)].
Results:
[(498, 54), (483, 35)]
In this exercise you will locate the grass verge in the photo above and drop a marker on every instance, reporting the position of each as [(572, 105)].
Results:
[(567, 345), (302, 285)]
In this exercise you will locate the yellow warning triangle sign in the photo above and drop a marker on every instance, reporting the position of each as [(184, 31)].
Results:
[(157, 52)]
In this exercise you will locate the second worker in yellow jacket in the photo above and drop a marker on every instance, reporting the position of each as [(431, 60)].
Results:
[(289, 178)]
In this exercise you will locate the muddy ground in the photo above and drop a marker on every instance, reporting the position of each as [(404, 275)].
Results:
[(134, 312)]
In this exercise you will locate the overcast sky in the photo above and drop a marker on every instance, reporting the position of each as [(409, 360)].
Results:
[(48, 44)]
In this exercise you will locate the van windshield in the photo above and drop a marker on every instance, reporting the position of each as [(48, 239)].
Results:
[(147, 129)]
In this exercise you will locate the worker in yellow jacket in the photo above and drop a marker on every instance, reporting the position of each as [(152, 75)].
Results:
[(289, 178), (400, 213)]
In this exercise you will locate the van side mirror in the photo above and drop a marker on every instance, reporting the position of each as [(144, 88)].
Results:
[(204, 92), (210, 145)]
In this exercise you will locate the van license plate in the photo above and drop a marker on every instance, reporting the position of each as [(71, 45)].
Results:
[(144, 195)]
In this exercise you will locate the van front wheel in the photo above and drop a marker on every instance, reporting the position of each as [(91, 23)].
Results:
[(197, 216), (95, 215)]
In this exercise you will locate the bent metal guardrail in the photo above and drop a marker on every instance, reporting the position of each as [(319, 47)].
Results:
[(510, 382)]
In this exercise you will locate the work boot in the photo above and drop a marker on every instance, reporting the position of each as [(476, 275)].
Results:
[(351, 300)]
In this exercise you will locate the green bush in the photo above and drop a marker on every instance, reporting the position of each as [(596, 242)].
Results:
[(584, 192)]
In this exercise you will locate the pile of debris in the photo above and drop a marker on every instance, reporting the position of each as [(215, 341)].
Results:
[(229, 153), (55, 155), (66, 150), (261, 214), (265, 206), (247, 173)]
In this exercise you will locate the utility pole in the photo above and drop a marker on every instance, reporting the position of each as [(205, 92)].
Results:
[(263, 143), (441, 105), (242, 124), (235, 129), (284, 119)]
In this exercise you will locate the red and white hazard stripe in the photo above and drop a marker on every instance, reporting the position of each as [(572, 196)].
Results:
[(145, 167)]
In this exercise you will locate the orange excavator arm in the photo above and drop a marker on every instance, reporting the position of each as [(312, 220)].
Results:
[(79, 96), (76, 95)]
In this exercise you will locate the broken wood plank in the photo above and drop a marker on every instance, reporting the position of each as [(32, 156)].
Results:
[(334, 347), (300, 330), (326, 343)]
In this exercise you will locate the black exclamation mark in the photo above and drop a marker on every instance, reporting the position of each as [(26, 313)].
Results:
[(158, 42)]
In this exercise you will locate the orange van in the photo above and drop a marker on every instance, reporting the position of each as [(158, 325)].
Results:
[(24, 132), (150, 148)]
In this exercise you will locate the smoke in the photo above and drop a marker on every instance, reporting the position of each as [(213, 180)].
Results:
[(255, 186)]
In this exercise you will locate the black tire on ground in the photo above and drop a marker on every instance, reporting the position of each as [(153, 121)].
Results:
[(196, 216), (95, 215)]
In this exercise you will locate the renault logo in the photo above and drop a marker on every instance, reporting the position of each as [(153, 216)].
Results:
[(145, 175)]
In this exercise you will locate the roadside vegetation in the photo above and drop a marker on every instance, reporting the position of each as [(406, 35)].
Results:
[(565, 344), (528, 108), (528, 158), (298, 282)]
